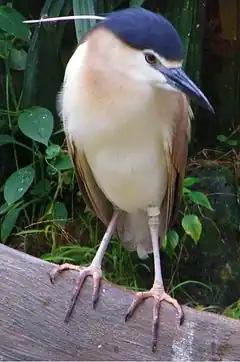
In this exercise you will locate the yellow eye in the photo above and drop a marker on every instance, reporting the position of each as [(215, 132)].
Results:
[(150, 58)]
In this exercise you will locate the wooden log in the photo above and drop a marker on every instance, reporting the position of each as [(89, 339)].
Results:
[(32, 328)]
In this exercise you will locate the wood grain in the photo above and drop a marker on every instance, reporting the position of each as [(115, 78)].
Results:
[(32, 327)]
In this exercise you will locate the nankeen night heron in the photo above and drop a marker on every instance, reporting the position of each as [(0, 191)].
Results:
[(126, 114)]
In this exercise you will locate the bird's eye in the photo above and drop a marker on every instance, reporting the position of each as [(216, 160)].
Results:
[(150, 58)]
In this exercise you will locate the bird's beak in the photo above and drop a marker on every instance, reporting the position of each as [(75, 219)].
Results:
[(178, 79)]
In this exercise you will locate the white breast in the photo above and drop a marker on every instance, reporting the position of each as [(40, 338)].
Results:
[(124, 138), (130, 168)]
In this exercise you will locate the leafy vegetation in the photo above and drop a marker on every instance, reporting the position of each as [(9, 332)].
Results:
[(38, 202), (233, 310)]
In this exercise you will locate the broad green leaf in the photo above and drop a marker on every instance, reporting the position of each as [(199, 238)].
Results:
[(232, 143), (192, 226), (221, 138), (18, 183), (11, 21), (200, 199), (83, 7), (190, 181), (170, 242), (63, 162), (6, 139), (60, 214), (37, 124), (18, 59), (185, 190), (8, 223), (172, 238), (52, 151)]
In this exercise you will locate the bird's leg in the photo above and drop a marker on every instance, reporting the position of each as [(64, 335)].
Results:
[(157, 291), (94, 269)]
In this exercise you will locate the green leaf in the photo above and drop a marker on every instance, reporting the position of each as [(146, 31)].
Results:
[(18, 183), (185, 191), (200, 199), (232, 142), (6, 139), (63, 162), (190, 181), (221, 138), (170, 242), (83, 7), (52, 151), (192, 226), (18, 59), (60, 214), (172, 238), (8, 223), (37, 124), (11, 21)]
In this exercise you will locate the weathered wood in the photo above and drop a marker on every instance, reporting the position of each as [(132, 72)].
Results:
[(32, 327)]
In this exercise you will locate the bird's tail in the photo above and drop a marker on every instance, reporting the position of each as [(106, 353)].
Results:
[(134, 232)]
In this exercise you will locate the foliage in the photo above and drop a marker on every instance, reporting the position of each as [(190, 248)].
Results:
[(119, 265), (191, 223), (41, 181), (233, 140), (233, 310)]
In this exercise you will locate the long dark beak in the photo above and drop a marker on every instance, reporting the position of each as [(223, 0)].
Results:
[(178, 79)]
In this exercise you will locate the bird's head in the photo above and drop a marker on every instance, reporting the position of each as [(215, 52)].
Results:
[(148, 45)]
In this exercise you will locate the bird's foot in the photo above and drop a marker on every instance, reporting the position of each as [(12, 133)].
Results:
[(92, 270), (159, 295)]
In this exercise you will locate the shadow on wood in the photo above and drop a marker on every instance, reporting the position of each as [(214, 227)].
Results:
[(32, 327)]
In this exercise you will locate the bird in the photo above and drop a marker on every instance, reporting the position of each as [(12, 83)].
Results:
[(126, 113)]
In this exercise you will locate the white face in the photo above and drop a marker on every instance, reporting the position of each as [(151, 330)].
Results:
[(112, 56), (157, 79)]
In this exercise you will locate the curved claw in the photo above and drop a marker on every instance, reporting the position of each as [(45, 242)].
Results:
[(96, 287), (159, 295), (59, 269), (91, 270), (51, 278)]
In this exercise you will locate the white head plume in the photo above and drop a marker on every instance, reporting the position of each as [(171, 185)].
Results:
[(62, 18)]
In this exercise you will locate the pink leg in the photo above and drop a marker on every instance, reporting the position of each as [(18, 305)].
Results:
[(157, 292), (94, 270)]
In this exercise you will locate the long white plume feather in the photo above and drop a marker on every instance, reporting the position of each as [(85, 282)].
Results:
[(62, 18)]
